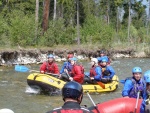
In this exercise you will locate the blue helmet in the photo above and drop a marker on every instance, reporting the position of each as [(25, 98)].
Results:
[(104, 59), (147, 76), (50, 56), (75, 59), (136, 70), (72, 90)]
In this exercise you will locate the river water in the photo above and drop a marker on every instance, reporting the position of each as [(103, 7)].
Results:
[(13, 87)]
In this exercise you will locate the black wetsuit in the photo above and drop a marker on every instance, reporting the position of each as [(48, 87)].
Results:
[(70, 107)]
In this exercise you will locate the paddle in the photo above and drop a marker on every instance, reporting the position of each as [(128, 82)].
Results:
[(101, 84), (66, 71), (92, 101), (137, 100), (21, 68)]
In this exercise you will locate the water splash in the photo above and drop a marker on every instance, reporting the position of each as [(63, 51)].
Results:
[(32, 90)]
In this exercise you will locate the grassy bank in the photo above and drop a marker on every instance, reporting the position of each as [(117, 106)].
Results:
[(86, 48)]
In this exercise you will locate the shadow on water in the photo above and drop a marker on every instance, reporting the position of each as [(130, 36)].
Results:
[(16, 95)]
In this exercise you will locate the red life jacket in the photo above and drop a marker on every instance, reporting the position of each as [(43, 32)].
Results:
[(92, 71), (77, 73), (82, 110), (50, 67)]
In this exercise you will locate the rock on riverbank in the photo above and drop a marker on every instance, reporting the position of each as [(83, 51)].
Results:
[(33, 56)]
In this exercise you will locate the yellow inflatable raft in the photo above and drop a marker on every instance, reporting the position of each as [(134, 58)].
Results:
[(48, 83)]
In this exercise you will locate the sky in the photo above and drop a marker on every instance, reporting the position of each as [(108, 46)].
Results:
[(147, 4)]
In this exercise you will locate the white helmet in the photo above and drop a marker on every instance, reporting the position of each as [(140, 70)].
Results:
[(94, 60), (5, 110)]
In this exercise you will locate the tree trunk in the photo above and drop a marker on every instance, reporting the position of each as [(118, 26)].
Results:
[(45, 15), (148, 19), (36, 18), (108, 8), (129, 21), (117, 24), (54, 17), (78, 24)]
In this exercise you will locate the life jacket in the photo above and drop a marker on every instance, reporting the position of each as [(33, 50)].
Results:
[(105, 72), (136, 87), (50, 67), (79, 66), (75, 110), (82, 69), (92, 71)]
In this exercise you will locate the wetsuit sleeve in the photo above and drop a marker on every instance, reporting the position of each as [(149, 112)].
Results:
[(144, 94), (112, 71), (56, 69), (98, 75), (127, 87), (63, 67), (43, 67)]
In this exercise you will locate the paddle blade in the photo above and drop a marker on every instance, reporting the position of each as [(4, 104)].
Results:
[(101, 84), (122, 81), (21, 68)]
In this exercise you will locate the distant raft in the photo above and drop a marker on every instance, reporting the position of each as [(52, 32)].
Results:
[(49, 83), (118, 105)]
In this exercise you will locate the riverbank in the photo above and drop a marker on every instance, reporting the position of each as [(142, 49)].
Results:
[(20, 55)]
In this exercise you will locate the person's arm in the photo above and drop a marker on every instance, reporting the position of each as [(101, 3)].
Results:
[(63, 67), (43, 68), (127, 87), (112, 71), (98, 74)]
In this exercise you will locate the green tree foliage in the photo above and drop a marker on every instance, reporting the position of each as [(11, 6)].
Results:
[(99, 20)]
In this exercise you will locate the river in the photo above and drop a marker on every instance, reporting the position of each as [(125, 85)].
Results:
[(13, 88)]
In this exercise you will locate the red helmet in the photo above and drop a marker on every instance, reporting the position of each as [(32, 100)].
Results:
[(70, 56)]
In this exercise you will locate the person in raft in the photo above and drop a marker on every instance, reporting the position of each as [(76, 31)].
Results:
[(49, 66), (145, 107), (95, 71), (134, 86), (107, 71), (72, 93), (102, 54), (66, 67), (77, 71)]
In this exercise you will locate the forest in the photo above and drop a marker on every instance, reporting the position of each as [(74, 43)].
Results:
[(100, 23)]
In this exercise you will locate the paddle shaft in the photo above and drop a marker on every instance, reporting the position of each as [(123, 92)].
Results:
[(92, 102), (137, 100), (45, 73), (66, 71)]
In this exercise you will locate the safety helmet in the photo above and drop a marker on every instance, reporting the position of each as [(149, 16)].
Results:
[(147, 76), (72, 90), (136, 70), (102, 52), (50, 56), (104, 59), (94, 60), (70, 56), (73, 58)]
